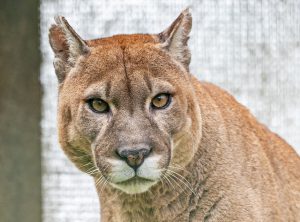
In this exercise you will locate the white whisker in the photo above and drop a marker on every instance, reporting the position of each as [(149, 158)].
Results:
[(182, 179)]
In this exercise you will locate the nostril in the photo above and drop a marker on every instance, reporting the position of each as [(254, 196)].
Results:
[(145, 152), (124, 154), (133, 156)]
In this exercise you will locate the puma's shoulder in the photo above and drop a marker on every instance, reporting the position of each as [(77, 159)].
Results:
[(256, 143), (238, 116)]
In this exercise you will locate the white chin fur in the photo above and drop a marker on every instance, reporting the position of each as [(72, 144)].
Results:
[(134, 187), (121, 172)]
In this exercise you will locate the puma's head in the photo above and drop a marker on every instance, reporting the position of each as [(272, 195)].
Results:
[(127, 110)]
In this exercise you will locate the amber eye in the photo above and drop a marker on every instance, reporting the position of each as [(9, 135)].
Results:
[(161, 101), (98, 105)]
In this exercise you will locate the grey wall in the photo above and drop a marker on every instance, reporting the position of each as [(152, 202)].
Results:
[(251, 48), (20, 108)]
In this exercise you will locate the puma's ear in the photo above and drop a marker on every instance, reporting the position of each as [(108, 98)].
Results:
[(67, 46), (174, 39)]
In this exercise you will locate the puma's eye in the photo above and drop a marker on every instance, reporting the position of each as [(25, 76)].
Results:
[(98, 105), (161, 101)]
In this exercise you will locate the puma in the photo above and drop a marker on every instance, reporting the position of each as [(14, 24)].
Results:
[(161, 145)]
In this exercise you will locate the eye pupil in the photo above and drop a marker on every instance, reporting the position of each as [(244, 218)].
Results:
[(98, 105), (160, 101)]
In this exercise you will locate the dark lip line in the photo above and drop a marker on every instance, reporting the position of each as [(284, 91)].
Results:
[(134, 179)]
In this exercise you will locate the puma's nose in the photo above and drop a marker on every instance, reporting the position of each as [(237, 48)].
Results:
[(134, 157)]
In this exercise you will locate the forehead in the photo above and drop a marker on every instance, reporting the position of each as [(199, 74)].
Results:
[(127, 72), (124, 64), (114, 59), (123, 40)]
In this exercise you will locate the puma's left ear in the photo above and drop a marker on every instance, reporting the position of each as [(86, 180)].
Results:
[(174, 39)]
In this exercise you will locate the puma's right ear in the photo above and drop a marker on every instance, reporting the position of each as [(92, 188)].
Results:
[(67, 46)]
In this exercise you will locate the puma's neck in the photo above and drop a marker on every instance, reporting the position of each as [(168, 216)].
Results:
[(169, 200)]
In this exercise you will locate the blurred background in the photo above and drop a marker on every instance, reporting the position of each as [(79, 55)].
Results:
[(251, 48)]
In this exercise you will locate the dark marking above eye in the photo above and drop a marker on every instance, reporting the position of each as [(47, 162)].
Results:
[(147, 81), (108, 89)]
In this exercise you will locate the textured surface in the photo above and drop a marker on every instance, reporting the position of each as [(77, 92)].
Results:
[(20, 112), (251, 48)]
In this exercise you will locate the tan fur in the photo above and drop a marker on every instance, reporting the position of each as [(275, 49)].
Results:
[(216, 162)]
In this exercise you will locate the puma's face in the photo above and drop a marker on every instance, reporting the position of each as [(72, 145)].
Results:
[(125, 103), (129, 106)]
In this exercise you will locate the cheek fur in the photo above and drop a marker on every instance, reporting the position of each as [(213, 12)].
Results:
[(91, 124), (170, 121)]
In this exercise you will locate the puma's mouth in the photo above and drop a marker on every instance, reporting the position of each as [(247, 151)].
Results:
[(134, 180), (131, 180), (134, 185)]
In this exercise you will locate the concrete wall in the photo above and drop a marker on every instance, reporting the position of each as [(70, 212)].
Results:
[(251, 48), (20, 108)]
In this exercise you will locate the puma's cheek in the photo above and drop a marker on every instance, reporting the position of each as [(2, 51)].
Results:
[(180, 141)]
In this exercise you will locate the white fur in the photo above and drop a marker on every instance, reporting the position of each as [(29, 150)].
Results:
[(150, 169), (121, 172), (134, 188)]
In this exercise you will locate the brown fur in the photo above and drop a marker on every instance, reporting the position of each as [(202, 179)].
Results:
[(227, 166)]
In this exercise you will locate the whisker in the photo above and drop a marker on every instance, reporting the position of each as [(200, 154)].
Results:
[(179, 168), (93, 172), (183, 180), (88, 163), (100, 181), (104, 184), (180, 176), (168, 181), (178, 184), (93, 169), (81, 157), (162, 182)]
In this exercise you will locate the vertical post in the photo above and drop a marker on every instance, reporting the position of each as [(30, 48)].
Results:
[(20, 108)]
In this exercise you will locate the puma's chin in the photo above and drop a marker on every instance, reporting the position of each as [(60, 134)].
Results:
[(134, 185)]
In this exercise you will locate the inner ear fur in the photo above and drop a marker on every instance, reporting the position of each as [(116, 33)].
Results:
[(67, 46), (174, 39)]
